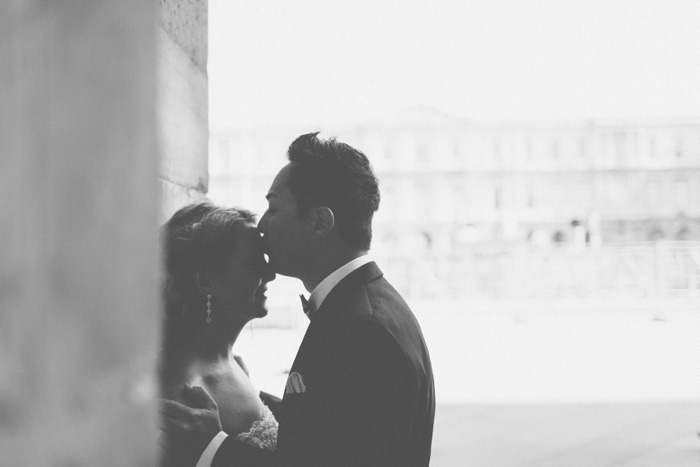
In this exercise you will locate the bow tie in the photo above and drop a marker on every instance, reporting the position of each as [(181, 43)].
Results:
[(306, 306)]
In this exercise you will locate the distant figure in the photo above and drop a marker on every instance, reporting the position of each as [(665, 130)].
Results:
[(360, 391)]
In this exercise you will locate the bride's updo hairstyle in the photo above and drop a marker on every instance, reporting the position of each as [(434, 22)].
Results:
[(199, 237)]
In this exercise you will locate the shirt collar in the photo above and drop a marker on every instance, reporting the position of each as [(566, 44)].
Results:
[(322, 290)]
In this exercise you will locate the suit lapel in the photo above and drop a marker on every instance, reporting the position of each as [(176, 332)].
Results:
[(314, 340), (359, 277)]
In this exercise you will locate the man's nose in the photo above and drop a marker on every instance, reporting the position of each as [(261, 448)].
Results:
[(262, 223)]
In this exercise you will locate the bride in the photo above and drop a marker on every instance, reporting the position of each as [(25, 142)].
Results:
[(215, 283)]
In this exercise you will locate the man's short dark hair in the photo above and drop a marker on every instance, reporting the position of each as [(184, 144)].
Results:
[(325, 172)]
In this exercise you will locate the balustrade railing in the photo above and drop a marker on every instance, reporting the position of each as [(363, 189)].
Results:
[(648, 269)]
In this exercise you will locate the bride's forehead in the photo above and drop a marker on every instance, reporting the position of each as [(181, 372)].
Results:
[(249, 234)]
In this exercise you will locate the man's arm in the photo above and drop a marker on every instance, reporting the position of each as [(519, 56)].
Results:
[(187, 430), (371, 395), (359, 413), (357, 408), (195, 435), (233, 452)]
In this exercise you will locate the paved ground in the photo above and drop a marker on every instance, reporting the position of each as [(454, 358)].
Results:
[(598, 435), (565, 384)]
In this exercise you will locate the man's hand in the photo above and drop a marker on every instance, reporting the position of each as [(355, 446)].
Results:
[(187, 431)]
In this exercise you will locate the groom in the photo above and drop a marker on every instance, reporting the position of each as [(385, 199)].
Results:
[(360, 391)]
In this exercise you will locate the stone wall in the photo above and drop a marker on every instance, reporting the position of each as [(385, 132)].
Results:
[(182, 102)]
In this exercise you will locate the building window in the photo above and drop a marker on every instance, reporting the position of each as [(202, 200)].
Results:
[(655, 234), (654, 193), (683, 234), (458, 149), (679, 147), (496, 149), (555, 149), (682, 193), (583, 148), (620, 147), (422, 151), (530, 198)]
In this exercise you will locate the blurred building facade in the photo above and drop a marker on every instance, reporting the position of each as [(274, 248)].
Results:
[(454, 189), (459, 183)]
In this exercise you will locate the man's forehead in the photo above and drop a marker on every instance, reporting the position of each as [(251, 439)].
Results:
[(282, 176), (278, 188)]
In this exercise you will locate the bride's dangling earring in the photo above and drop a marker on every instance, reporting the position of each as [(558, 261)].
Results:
[(208, 308)]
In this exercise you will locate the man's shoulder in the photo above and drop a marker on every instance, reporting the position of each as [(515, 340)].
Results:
[(384, 299), (377, 305), (367, 296), (374, 299)]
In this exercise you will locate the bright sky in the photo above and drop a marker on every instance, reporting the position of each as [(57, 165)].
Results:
[(324, 62)]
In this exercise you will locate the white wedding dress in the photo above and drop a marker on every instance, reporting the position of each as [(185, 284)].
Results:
[(263, 433)]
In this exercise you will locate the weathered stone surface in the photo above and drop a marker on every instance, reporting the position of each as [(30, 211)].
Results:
[(182, 117), (186, 22), (175, 196)]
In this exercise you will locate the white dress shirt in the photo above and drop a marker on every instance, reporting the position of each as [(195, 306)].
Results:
[(319, 294)]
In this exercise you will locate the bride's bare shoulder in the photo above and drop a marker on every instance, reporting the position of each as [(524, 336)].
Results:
[(222, 372), (239, 402)]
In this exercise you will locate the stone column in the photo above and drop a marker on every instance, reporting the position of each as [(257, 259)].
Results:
[(79, 277)]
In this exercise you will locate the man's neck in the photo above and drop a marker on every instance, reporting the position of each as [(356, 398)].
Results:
[(326, 265)]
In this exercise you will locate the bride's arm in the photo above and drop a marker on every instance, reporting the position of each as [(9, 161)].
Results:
[(273, 402)]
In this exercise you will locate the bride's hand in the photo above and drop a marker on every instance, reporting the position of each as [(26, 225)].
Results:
[(190, 428)]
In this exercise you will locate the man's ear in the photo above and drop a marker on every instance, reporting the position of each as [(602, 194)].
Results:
[(203, 282), (324, 221)]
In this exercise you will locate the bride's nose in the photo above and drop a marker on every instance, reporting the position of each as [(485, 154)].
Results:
[(267, 275)]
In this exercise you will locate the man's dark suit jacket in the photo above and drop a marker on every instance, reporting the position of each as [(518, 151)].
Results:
[(368, 397)]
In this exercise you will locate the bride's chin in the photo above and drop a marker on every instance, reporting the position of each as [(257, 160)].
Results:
[(259, 311), (259, 307)]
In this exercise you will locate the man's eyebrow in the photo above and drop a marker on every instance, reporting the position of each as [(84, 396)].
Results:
[(270, 195)]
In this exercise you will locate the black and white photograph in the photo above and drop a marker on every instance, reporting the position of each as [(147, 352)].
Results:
[(358, 234)]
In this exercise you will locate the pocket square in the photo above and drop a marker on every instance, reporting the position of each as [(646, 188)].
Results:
[(295, 384)]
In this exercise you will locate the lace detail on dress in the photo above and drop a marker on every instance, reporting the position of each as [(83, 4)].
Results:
[(263, 433)]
